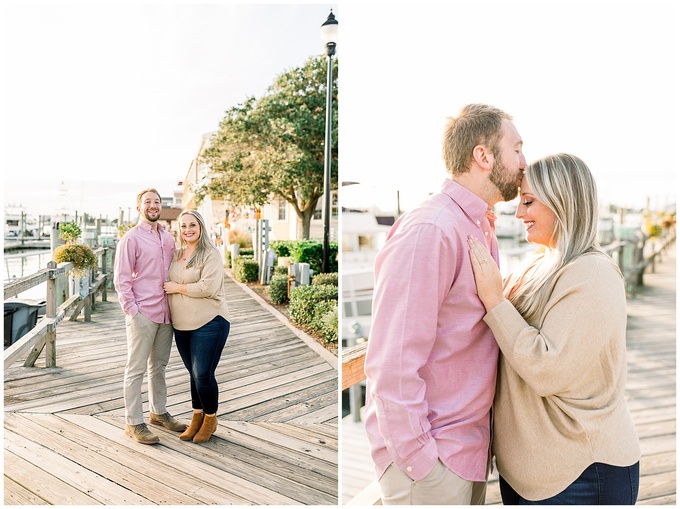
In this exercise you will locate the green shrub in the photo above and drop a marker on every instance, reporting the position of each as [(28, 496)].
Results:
[(281, 247), (280, 269), (246, 252), (307, 251), (246, 269), (325, 320), (278, 289), (330, 278), (304, 299)]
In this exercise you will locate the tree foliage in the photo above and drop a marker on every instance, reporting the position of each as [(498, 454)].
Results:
[(275, 145)]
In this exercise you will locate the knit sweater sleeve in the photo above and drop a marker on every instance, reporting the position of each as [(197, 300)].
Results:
[(550, 357), (210, 282)]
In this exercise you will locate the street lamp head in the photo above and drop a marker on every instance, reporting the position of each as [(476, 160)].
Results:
[(329, 34)]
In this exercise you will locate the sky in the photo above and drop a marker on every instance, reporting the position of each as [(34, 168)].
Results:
[(597, 79), (111, 98), (114, 97)]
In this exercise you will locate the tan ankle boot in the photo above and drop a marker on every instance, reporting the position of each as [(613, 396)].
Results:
[(196, 423), (207, 429)]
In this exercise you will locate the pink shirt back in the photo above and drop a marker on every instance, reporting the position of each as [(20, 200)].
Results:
[(141, 267), (431, 360)]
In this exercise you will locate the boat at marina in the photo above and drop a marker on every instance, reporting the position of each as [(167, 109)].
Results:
[(18, 220)]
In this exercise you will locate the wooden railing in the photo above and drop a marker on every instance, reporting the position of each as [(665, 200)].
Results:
[(632, 266), (635, 256), (352, 374), (44, 334)]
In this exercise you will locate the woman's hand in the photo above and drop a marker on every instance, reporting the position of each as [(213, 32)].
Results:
[(487, 276), (171, 287)]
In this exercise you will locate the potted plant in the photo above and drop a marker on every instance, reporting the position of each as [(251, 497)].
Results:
[(81, 255)]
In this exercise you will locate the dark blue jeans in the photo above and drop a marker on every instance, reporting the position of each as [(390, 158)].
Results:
[(201, 350), (599, 484)]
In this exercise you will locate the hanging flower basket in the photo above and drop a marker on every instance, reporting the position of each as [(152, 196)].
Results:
[(81, 255)]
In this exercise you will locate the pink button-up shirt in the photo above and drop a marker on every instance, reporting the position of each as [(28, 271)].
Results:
[(142, 261), (431, 359)]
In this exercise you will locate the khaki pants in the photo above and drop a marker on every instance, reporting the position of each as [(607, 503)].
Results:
[(149, 347), (440, 487)]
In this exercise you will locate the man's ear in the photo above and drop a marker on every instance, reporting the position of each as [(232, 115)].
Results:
[(482, 157)]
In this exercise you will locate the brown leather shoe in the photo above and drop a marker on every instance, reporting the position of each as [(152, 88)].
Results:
[(167, 421), (196, 423), (141, 434), (207, 429)]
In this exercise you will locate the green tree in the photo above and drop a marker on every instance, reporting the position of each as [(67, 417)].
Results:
[(274, 146)]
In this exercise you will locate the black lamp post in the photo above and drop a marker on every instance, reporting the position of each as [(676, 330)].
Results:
[(329, 37)]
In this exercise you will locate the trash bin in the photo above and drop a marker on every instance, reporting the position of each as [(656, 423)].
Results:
[(8, 326), (23, 315)]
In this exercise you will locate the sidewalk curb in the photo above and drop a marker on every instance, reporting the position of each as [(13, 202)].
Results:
[(306, 338)]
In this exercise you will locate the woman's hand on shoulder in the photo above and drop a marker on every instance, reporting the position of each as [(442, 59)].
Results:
[(487, 275)]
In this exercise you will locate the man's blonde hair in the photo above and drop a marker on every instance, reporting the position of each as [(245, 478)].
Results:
[(476, 124), (149, 190)]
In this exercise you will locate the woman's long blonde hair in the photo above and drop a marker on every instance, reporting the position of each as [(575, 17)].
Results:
[(564, 184), (203, 246)]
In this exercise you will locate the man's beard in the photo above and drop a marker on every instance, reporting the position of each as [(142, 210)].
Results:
[(499, 177), (149, 215)]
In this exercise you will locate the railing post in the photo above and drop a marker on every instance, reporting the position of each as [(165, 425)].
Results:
[(88, 298), (51, 312), (104, 271)]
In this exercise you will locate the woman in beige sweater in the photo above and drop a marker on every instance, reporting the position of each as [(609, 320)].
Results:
[(200, 319), (562, 430)]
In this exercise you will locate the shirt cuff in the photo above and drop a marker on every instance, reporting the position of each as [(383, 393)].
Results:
[(420, 463)]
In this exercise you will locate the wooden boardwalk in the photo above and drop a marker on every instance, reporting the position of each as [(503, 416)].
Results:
[(650, 391), (276, 443)]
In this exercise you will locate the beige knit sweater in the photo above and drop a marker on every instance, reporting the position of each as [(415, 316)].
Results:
[(559, 404), (205, 289)]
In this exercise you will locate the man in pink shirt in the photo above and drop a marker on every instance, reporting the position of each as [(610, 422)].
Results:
[(143, 257), (431, 360)]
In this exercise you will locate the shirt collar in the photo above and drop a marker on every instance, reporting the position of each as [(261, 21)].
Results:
[(473, 206), (147, 226)]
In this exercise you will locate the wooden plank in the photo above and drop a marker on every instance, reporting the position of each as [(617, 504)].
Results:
[(20, 285), (15, 494), (306, 479), (75, 412), (35, 336), (353, 365), (193, 468), (101, 489), (42, 483), (657, 485)]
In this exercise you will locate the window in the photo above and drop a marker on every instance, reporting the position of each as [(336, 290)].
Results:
[(282, 207), (318, 213)]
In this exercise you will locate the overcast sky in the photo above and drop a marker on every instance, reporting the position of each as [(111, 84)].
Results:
[(594, 78), (114, 97)]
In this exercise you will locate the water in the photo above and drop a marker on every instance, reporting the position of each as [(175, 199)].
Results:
[(24, 263)]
